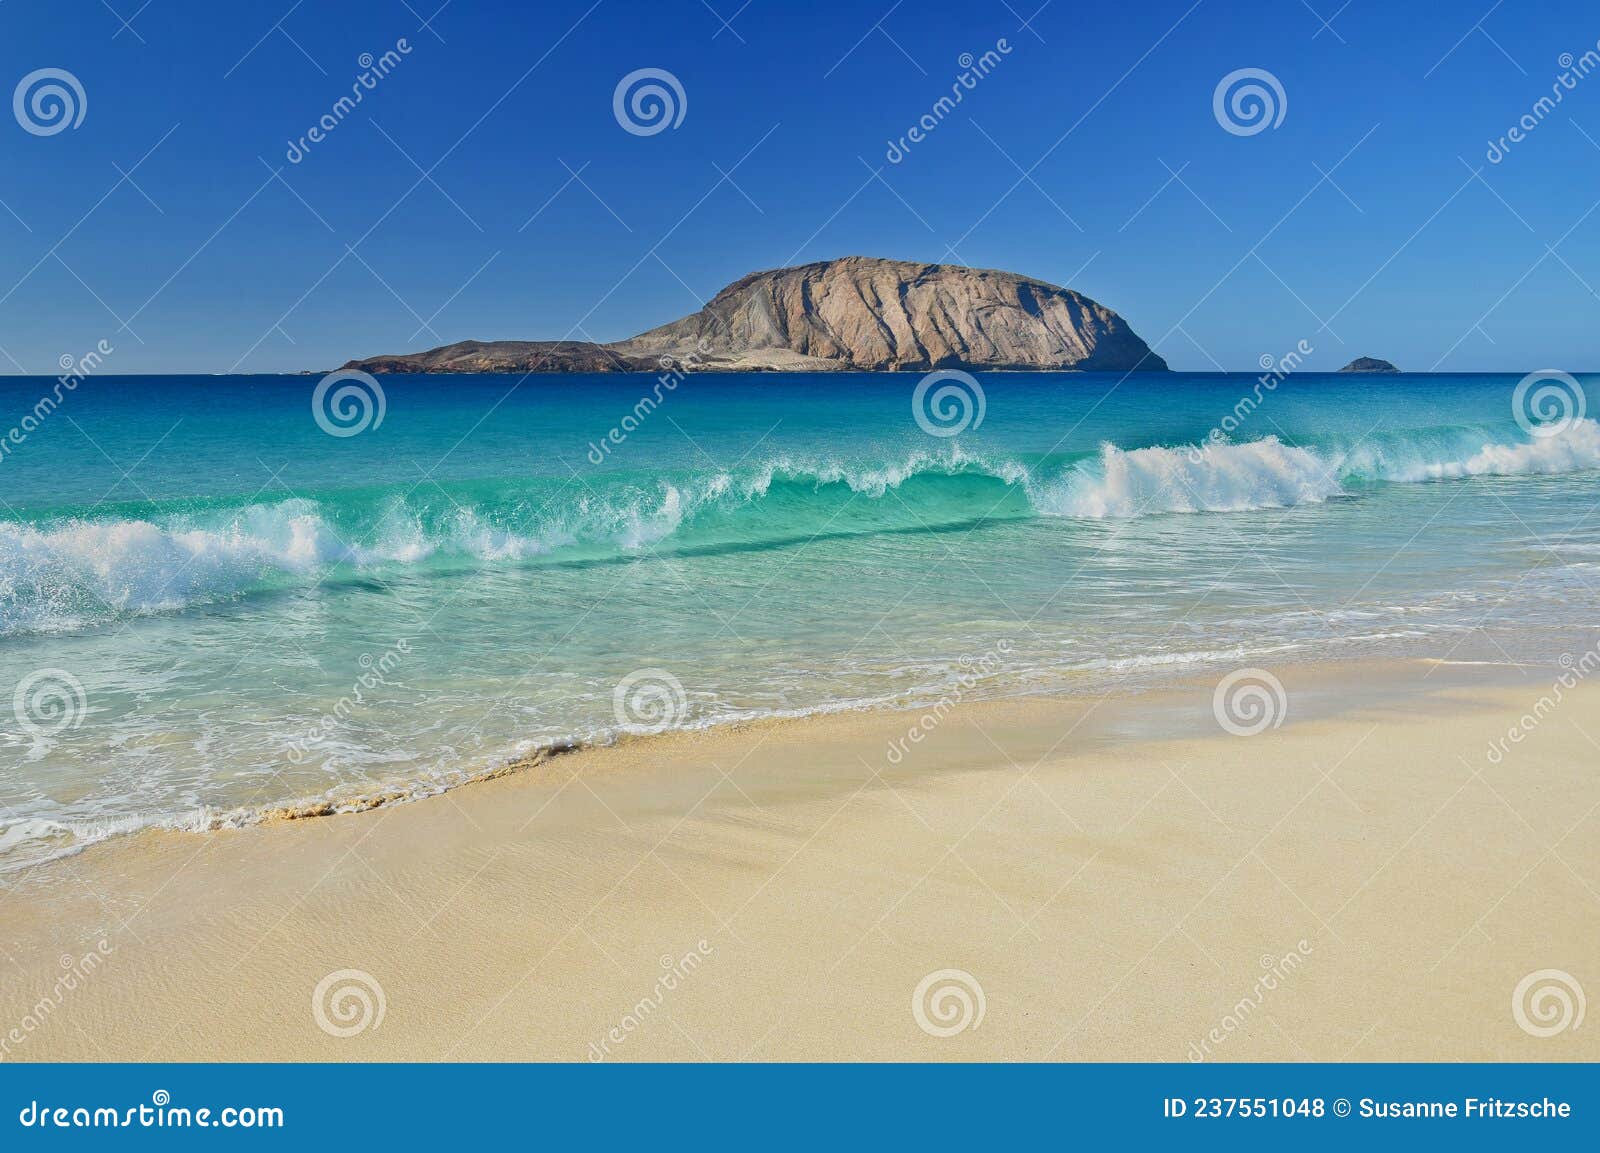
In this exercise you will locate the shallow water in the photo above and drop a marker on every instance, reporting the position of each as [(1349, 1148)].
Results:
[(209, 605)]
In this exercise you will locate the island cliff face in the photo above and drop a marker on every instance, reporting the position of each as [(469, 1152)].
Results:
[(857, 314)]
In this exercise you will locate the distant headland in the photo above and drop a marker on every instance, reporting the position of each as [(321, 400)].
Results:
[(854, 314)]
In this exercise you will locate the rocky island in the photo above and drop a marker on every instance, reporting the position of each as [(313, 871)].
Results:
[(1369, 364), (854, 314)]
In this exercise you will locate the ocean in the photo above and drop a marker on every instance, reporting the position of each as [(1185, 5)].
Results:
[(221, 596)]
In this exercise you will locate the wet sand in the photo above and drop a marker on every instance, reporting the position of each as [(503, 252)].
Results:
[(1063, 878)]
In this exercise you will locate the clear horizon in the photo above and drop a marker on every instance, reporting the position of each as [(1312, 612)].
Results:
[(214, 205)]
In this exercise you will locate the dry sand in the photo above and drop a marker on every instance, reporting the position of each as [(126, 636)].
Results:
[(1121, 880)]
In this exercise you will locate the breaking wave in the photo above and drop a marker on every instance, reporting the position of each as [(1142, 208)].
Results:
[(1270, 474), (74, 572)]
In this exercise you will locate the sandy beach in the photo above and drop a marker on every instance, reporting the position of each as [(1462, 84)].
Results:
[(1095, 879)]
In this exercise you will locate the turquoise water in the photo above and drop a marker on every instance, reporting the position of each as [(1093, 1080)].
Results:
[(210, 606)]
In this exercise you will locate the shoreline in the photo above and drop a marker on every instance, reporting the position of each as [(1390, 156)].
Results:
[(1133, 683), (1109, 873)]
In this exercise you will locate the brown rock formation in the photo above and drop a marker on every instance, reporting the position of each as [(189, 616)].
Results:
[(854, 314)]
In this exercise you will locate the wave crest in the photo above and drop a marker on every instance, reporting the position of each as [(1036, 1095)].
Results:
[(1267, 473), (75, 572), (1219, 478)]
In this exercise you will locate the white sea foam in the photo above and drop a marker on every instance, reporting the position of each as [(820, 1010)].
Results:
[(65, 574), (1220, 478), (1575, 449), (84, 568), (33, 840), (1270, 474)]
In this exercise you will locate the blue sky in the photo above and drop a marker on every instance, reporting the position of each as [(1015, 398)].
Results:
[(1090, 155)]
